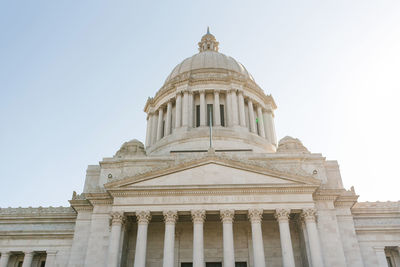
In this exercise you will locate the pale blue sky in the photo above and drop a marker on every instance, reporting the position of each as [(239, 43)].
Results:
[(75, 75)]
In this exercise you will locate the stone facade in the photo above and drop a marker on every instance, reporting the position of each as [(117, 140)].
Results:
[(211, 186)]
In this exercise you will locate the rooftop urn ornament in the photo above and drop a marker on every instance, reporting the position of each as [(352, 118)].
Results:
[(208, 42)]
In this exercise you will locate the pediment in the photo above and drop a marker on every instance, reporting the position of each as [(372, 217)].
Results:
[(212, 172)]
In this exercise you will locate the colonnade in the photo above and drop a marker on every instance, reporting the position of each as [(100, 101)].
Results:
[(28, 258), (227, 218), (260, 118)]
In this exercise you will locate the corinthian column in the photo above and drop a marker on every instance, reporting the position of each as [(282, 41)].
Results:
[(160, 123), (117, 219), (217, 111), (255, 217), (282, 215), (185, 112), (235, 119), (227, 230), (242, 114), (260, 120), (190, 109), (202, 108), (169, 237), (178, 110), (168, 119), (143, 219), (28, 259), (309, 216), (251, 116), (198, 217), (5, 256)]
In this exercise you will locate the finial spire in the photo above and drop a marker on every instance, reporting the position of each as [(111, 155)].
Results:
[(208, 42)]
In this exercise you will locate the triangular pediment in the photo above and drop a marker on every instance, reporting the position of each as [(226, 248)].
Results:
[(212, 172)]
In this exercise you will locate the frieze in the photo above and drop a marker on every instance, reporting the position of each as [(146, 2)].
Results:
[(36, 211)]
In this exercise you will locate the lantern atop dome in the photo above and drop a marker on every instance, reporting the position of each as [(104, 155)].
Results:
[(208, 42)]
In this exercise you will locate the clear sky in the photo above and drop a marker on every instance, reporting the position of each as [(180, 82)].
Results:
[(75, 76)]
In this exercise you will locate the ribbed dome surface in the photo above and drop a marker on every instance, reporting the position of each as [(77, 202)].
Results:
[(209, 60)]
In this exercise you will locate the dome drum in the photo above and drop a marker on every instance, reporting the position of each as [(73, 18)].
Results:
[(210, 88)]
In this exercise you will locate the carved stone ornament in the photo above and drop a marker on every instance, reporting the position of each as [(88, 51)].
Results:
[(170, 216), (309, 214), (143, 217), (198, 216), (117, 218), (282, 214), (227, 215), (255, 215)]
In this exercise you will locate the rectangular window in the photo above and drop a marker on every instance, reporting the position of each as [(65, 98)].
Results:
[(213, 264), (163, 129), (210, 114), (197, 115), (241, 264), (186, 264), (20, 264), (222, 114), (42, 264)]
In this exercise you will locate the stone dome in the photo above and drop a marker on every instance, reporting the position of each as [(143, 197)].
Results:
[(209, 59)]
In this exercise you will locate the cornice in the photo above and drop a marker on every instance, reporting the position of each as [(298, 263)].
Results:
[(99, 198)]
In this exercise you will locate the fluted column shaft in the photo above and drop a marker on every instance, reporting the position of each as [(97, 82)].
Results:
[(242, 113), (251, 116), (168, 119), (190, 112), (266, 127), (178, 110), (282, 215), (309, 216), (202, 108), (185, 112), (227, 232), (217, 111), (169, 238), (5, 256), (271, 127), (51, 258), (28, 259), (148, 130), (154, 128), (160, 123), (235, 118), (198, 217), (143, 219), (228, 109), (260, 121), (117, 219), (255, 217)]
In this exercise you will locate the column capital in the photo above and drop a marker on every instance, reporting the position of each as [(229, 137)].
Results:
[(232, 90), (143, 216), (217, 91), (5, 253), (202, 91), (309, 214), (198, 216), (117, 217), (255, 215), (29, 252), (379, 249), (282, 214), (170, 216), (227, 215)]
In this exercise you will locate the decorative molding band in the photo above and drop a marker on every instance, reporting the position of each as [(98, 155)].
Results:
[(36, 211)]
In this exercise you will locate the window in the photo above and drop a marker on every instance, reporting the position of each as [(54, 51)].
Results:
[(241, 264), (210, 114), (42, 264), (197, 115), (163, 129), (222, 114), (258, 127), (19, 264), (186, 264), (389, 261), (213, 264)]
